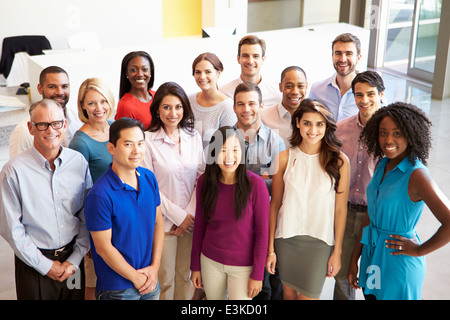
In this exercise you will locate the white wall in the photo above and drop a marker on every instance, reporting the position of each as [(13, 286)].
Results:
[(116, 22), (224, 16)]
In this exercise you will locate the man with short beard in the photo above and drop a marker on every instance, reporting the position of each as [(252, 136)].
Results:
[(336, 91), (262, 146)]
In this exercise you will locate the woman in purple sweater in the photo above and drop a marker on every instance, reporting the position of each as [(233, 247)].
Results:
[(231, 223)]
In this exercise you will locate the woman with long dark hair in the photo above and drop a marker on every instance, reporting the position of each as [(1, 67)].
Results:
[(309, 204), (174, 153), (137, 75), (231, 223), (392, 265)]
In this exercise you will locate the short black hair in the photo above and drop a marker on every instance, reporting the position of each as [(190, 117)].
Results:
[(413, 124), (123, 123)]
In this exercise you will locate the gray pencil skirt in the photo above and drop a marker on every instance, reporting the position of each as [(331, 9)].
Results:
[(302, 263)]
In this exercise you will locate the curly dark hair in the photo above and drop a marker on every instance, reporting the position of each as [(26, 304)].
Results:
[(413, 124)]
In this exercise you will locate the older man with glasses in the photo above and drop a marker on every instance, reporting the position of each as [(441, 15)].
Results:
[(42, 210), (53, 84)]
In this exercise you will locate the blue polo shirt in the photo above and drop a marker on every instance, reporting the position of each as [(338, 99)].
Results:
[(112, 204)]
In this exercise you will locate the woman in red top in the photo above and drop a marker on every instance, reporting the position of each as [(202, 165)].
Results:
[(135, 94)]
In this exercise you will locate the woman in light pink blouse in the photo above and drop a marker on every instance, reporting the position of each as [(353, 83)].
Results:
[(174, 153)]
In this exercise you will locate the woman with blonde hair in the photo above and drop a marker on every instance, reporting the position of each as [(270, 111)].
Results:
[(95, 108)]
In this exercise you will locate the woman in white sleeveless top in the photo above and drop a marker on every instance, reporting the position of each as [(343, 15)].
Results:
[(309, 204)]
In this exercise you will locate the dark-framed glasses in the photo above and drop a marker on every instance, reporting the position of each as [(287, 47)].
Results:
[(42, 126)]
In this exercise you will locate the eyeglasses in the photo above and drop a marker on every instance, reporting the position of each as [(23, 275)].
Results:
[(42, 126)]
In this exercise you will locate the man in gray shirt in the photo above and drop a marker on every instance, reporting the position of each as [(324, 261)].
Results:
[(41, 210)]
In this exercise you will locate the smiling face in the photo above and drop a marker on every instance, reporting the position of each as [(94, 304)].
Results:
[(367, 99), (345, 58), (312, 126), (206, 75), (49, 140), (139, 72), (251, 60), (96, 106), (392, 141), (55, 86), (229, 156), (171, 111), (293, 87)]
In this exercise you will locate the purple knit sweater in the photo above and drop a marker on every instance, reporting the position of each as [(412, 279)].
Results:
[(230, 242)]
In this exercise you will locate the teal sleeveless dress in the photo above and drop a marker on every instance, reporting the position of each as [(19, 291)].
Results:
[(391, 211)]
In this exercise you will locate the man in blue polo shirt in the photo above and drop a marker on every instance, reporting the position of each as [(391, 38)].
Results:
[(124, 219)]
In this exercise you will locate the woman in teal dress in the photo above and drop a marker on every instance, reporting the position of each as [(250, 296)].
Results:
[(392, 265)]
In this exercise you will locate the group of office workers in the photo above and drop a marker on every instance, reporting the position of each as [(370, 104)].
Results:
[(243, 191)]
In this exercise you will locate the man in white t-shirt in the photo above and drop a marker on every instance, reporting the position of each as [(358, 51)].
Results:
[(251, 57)]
